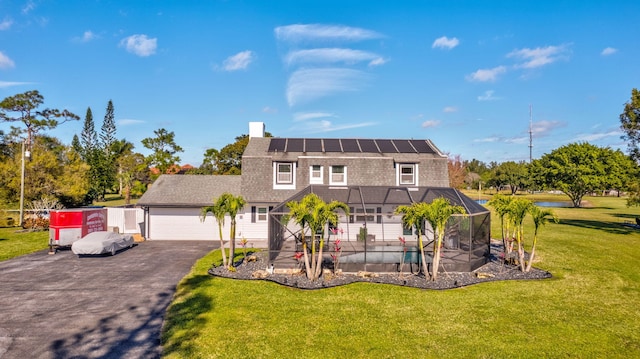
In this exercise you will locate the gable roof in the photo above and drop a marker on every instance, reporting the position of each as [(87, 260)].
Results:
[(188, 190)]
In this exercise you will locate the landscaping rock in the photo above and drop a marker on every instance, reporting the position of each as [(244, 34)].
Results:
[(294, 277)]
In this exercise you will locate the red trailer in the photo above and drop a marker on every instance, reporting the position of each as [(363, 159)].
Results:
[(68, 225)]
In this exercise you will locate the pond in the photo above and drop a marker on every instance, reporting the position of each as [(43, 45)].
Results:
[(554, 204)]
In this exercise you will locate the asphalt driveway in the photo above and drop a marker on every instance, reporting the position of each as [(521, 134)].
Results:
[(62, 306)]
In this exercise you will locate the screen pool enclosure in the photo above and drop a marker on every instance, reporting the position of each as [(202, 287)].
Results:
[(370, 237)]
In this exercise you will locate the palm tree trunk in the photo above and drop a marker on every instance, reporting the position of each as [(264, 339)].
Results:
[(232, 244), (313, 255), (319, 261), (425, 268), (436, 257), (307, 267), (520, 250), (224, 255), (533, 252)]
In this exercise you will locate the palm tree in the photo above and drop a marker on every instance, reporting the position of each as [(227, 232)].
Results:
[(218, 209), (314, 213), (517, 211), (540, 218), (233, 205), (500, 204), (411, 218), (300, 215), (437, 213)]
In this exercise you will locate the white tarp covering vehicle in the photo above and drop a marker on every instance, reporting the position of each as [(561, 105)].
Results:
[(102, 242)]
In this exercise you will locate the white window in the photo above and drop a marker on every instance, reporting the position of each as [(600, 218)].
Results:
[(406, 174), (262, 214), (338, 175), (315, 174), (284, 175)]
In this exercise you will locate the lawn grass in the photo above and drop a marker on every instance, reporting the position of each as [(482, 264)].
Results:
[(113, 200), (14, 243), (590, 308)]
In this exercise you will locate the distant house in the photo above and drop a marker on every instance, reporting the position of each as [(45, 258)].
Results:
[(373, 176)]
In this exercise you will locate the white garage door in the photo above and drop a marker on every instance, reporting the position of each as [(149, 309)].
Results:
[(180, 224)]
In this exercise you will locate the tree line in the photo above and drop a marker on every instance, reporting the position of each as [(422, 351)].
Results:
[(576, 169), (98, 163)]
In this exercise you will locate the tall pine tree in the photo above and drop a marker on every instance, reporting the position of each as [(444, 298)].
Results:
[(89, 139), (107, 143), (91, 155)]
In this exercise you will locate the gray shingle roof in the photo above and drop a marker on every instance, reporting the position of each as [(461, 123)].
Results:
[(188, 190)]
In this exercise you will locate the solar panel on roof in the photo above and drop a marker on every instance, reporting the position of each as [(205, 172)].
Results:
[(313, 145), (386, 146), (422, 146), (350, 145), (404, 146), (295, 145), (332, 145), (277, 144), (368, 146)]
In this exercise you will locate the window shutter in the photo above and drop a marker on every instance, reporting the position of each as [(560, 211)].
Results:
[(379, 216), (350, 214), (253, 214)]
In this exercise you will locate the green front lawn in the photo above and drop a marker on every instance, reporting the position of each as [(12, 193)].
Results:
[(13, 244), (589, 309)]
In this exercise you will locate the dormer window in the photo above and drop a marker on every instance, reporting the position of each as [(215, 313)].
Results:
[(406, 174), (315, 174), (338, 175), (284, 175)]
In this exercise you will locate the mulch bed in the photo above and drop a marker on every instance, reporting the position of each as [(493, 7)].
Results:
[(494, 270)]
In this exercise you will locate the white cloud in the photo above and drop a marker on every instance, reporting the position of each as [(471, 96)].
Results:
[(305, 116), (590, 137), (608, 51), (543, 128), (539, 56), (487, 75), (5, 84), (328, 126), (129, 122), (6, 24), (268, 109), (517, 140), (450, 109), (140, 45), (445, 43), (239, 61), (488, 96), (332, 55), (303, 32), (30, 5), (6, 62), (430, 123), (488, 139), (310, 84), (88, 36), (377, 62)]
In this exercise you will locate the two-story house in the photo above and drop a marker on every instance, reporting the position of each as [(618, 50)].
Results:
[(373, 176)]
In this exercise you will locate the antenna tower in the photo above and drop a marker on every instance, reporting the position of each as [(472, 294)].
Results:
[(530, 134)]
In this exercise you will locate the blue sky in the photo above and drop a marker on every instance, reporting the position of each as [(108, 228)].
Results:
[(461, 73)]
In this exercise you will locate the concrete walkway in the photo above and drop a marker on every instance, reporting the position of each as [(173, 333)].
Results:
[(62, 306)]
